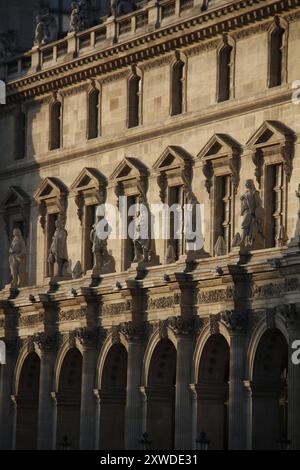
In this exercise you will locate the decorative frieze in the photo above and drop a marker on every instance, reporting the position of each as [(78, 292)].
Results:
[(273, 289), (30, 320), (216, 295), (160, 303), (73, 314), (117, 308)]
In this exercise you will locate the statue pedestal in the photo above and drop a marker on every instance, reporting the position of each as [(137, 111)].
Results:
[(54, 280), (10, 292)]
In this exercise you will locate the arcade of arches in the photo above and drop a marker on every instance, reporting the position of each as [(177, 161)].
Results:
[(98, 393)]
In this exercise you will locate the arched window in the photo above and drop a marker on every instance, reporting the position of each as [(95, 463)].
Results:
[(276, 56), (177, 88), (225, 71), (93, 129), (55, 125), (134, 95)]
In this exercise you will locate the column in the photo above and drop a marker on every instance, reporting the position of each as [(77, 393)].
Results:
[(134, 411), (236, 322), (183, 399), (88, 404), (46, 405), (7, 408), (293, 322)]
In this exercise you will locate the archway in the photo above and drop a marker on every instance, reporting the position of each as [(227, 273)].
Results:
[(161, 396), (269, 391), (28, 404), (69, 400), (212, 392), (113, 399)]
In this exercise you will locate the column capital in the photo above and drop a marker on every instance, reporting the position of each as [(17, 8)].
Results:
[(87, 337), (234, 320), (291, 315), (46, 342), (131, 331), (181, 326)]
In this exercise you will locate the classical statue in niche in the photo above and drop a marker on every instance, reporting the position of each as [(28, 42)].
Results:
[(99, 243), (16, 257), (58, 255), (140, 243), (251, 210), (46, 29)]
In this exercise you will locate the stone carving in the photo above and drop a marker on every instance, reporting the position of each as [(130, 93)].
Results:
[(99, 247), (275, 289), (47, 342), (220, 247), (181, 326), (214, 324), (140, 241), (131, 331), (218, 295), (122, 7), (58, 255), (87, 337), (30, 320), (164, 302), (290, 313), (7, 43), (234, 320), (79, 19), (251, 210), (17, 257), (30, 343), (67, 315), (162, 329), (115, 334), (117, 308), (46, 28)]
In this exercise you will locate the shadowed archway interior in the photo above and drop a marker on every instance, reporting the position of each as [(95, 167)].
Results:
[(269, 391), (69, 399), (161, 396), (212, 392), (28, 403), (113, 399)]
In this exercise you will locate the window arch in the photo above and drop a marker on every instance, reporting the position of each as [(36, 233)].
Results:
[(55, 140), (134, 99), (225, 71), (277, 53), (93, 122), (178, 70)]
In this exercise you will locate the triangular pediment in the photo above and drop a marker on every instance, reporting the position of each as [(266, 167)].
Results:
[(88, 178), (50, 187), (270, 133), (129, 168), (217, 146), (15, 197), (172, 157)]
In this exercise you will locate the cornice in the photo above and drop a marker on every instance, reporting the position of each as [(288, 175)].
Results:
[(208, 25)]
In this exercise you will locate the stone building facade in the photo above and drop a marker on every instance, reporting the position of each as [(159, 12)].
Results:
[(173, 98)]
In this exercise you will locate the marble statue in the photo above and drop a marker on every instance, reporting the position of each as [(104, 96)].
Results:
[(141, 245), (79, 19), (16, 257), (46, 29), (99, 246), (251, 210), (58, 254)]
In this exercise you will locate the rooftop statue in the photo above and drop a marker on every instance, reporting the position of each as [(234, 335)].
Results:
[(79, 19), (46, 28)]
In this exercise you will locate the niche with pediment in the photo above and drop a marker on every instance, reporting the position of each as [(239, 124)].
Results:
[(51, 198), (89, 190), (130, 182), (16, 211), (220, 159), (272, 150), (173, 170)]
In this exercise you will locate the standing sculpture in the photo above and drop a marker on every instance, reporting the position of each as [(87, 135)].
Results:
[(46, 29), (99, 245), (79, 19), (58, 255), (16, 257), (251, 210), (140, 241)]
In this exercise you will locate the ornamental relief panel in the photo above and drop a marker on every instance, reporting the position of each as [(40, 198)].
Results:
[(216, 295), (159, 303), (117, 308)]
